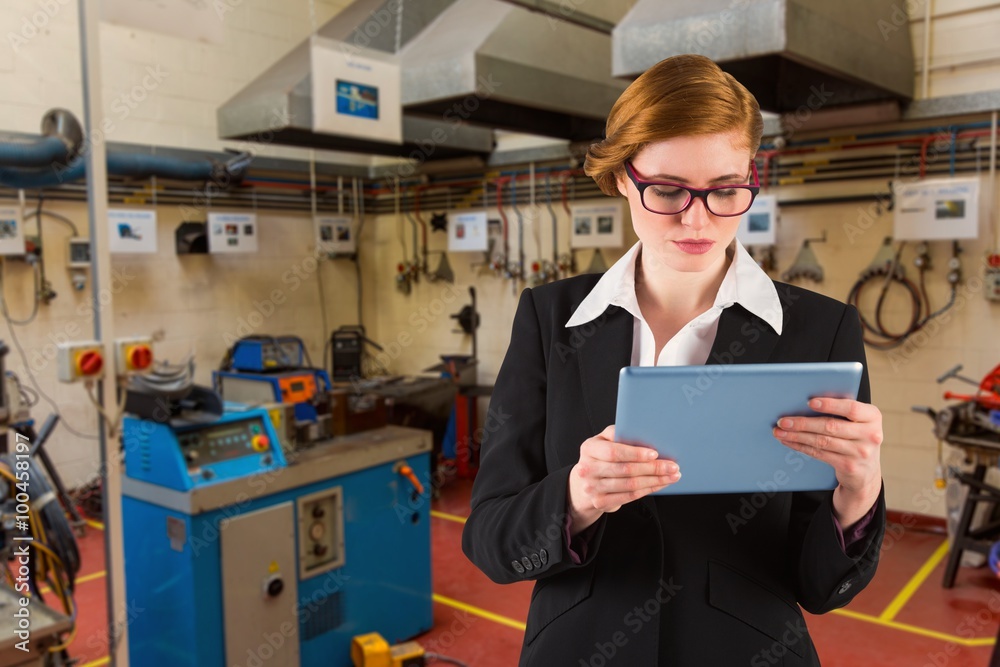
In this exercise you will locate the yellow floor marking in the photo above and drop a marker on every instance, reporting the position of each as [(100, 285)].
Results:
[(448, 517), (94, 524), (913, 629), (914, 583), (100, 661), (476, 611)]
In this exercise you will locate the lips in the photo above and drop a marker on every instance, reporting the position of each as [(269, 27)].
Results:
[(695, 246)]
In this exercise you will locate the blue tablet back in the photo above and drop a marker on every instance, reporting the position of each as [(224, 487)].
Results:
[(715, 421)]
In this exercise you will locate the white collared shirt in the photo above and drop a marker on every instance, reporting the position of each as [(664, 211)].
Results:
[(744, 283)]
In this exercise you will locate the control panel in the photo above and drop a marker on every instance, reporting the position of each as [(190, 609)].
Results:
[(223, 442), (77, 361), (262, 354), (321, 532)]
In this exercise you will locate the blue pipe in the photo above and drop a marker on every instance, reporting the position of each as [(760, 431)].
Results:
[(42, 152), (132, 165)]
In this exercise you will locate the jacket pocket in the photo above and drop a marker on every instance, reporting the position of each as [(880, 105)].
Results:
[(555, 595), (746, 600)]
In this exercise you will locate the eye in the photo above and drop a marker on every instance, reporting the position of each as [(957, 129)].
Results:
[(729, 192), (667, 192)]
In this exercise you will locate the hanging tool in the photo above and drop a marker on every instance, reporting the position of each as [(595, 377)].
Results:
[(887, 269), (597, 262), (439, 222), (806, 265), (443, 270)]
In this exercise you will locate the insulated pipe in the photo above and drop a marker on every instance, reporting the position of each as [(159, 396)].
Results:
[(61, 139), (423, 228), (132, 165)]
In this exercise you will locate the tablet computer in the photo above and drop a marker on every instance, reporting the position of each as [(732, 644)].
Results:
[(715, 421)]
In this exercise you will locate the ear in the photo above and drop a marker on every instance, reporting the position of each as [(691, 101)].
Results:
[(621, 180)]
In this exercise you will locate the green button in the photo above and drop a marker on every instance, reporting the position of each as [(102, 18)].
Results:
[(255, 428)]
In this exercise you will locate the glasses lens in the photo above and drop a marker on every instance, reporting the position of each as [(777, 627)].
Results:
[(665, 199), (729, 201)]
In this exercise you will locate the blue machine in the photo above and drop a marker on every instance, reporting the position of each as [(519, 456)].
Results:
[(235, 555)]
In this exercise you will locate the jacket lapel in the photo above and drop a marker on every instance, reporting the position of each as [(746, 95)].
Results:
[(604, 347), (742, 338)]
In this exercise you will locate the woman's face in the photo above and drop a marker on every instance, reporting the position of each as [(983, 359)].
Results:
[(694, 240)]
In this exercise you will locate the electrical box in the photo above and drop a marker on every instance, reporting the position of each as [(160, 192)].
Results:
[(321, 532), (79, 253), (81, 360), (133, 355), (991, 278)]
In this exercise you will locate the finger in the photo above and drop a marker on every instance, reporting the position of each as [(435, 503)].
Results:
[(631, 468), (831, 426), (617, 499), (604, 450), (819, 441), (855, 411), (833, 458), (608, 433), (611, 485)]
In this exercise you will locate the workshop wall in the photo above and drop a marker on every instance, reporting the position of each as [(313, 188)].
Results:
[(193, 304)]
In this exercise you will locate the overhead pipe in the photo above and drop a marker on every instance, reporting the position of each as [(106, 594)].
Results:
[(62, 137), (132, 165)]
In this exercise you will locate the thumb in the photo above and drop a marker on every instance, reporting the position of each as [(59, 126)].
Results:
[(609, 433)]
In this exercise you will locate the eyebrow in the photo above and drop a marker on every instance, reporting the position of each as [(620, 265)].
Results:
[(678, 179)]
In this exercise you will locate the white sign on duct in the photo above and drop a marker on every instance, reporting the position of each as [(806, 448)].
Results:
[(758, 225), (596, 225), (232, 233), (355, 92), (202, 21), (336, 235), (467, 232), (942, 209), (12, 231), (131, 231)]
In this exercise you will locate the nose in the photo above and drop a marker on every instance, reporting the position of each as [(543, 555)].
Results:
[(697, 215)]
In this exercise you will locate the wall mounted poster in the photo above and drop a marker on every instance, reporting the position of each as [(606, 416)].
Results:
[(11, 231), (132, 231), (596, 225), (758, 225), (941, 209), (335, 235), (232, 233), (467, 231)]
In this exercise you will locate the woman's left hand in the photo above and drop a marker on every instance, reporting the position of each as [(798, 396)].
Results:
[(851, 446)]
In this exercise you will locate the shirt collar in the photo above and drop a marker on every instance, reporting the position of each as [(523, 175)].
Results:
[(745, 283)]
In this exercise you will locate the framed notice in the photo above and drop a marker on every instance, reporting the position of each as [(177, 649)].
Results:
[(355, 91), (757, 226), (941, 209), (12, 231), (596, 225), (132, 231), (467, 232), (232, 233), (336, 235)]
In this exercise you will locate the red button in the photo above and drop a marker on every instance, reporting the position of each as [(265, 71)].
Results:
[(261, 443), (139, 357), (89, 363)]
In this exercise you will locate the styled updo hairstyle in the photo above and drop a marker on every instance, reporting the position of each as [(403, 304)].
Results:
[(681, 96)]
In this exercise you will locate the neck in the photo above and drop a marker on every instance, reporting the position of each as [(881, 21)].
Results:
[(659, 287)]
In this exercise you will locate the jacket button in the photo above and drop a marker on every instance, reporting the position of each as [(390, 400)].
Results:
[(536, 561), (844, 588), (517, 566), (527, 564), (544, 556)]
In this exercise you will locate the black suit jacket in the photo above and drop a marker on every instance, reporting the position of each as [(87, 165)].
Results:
[(679, 580)]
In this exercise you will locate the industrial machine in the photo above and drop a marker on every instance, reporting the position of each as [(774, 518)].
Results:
[(276, 371), (237, 554), (973, 426)]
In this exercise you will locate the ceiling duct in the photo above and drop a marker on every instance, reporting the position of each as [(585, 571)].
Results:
[(795, 56), (499, 64), (277, 107)]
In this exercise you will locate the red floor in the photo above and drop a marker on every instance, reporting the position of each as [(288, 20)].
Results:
[(481, 623)]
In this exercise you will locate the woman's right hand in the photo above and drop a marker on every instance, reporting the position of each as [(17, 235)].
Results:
[(610, 474)]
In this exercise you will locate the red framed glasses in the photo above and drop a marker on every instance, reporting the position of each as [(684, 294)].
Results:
[(673, 198)]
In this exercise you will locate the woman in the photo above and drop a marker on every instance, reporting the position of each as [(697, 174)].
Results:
[(623, 577)]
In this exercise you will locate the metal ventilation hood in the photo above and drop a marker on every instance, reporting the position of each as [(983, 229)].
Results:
[(501, 65), (277, 107), (793, 55)]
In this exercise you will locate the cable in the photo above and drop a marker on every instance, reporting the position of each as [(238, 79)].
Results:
[(55, 216), (920, 303), (34, 381), (36, 270)]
